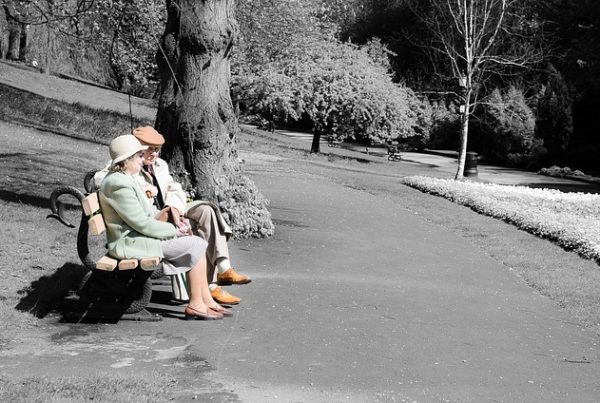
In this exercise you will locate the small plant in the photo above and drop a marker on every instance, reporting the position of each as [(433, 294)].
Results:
[(559, 172)]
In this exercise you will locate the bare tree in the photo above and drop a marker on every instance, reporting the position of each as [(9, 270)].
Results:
[(195, 111), (478, 38)]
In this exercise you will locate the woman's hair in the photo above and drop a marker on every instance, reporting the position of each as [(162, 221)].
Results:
[(120, 166)]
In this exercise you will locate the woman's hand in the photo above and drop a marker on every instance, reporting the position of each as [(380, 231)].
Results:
[(184, 228)]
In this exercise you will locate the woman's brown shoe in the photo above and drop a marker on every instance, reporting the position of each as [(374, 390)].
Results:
[(192, 314), (223, 311)]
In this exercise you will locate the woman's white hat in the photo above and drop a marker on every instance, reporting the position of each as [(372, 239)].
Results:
[(123, 147)]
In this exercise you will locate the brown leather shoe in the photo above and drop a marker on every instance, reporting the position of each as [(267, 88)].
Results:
[(221, 311), (232, 277), (223, 297)]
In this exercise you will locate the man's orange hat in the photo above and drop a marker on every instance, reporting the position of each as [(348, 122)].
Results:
[(149, 136)]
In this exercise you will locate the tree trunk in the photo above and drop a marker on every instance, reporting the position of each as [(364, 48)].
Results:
[(462, 151), (47, 50), (316, 142), (23, 45), (464, 129), (196, 115), (14, 40), (3, 33)]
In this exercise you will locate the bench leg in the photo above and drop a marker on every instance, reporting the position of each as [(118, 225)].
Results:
[(127, 292)]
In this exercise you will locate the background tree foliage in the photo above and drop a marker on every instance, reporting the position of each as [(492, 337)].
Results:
[(293, 68), (506, 127), (129, 31), (568, 31), (364, 70), (110, 41)]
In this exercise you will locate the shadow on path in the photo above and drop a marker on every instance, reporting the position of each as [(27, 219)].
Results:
[(46, 294)]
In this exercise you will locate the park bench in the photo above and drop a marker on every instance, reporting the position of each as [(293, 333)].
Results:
[(111, 288), (332, 141)]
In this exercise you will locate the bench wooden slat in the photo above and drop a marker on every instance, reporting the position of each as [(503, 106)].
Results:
[(106, 263), (128, 264), (96, 224), (149, 263), (90, 204)]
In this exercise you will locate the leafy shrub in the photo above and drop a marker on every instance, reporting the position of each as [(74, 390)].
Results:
[(559, 172), (507, 127), (445, 125)]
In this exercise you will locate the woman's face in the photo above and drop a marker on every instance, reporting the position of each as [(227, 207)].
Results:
[(133, 164), (151, 154)]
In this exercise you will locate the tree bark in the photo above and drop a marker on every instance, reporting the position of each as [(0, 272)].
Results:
[(14, 40), (316, 142), (462, 150), (23, 42), (3, 33), (464, 130), (195, 112)]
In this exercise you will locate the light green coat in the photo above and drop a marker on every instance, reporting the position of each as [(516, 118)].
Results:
[(131, 230)]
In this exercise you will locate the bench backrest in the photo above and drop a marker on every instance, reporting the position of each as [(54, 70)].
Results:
[(91, 208)]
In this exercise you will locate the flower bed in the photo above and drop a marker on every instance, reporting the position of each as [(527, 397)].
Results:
[(570, 219)]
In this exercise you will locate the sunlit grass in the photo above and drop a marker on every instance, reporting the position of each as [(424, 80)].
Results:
[(570, 219), (74, 119)]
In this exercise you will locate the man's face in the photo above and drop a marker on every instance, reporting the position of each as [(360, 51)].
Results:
[(151, 154)]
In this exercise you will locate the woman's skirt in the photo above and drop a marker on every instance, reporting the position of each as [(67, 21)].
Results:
[(181, 254)]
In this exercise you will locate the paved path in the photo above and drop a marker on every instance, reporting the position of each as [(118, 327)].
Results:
[(391, 308)]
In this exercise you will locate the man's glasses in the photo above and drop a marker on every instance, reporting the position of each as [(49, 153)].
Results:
[(151, 149)]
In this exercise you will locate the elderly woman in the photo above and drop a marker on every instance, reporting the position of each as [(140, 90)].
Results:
[(133, 233)]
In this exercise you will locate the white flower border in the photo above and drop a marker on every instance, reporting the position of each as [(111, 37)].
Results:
[(570, 219)]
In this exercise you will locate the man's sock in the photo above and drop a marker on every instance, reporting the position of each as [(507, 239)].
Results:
[(212, 286), (223, 264)]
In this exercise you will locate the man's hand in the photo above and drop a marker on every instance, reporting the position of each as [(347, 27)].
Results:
[(176, 213)]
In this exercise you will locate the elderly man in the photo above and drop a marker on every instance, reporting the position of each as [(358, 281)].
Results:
[(205, 218)]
